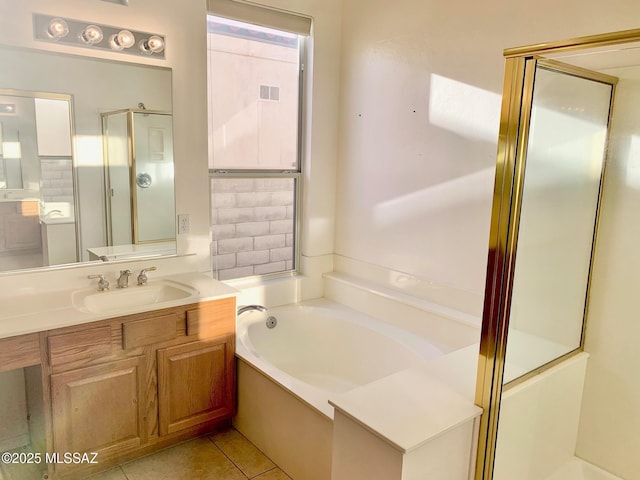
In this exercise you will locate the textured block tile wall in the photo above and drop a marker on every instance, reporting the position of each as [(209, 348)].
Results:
[(252, 226), (56, 176)]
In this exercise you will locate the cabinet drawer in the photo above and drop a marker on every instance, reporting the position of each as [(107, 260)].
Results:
[(18, 352), (84, 345), (212, 319), (149, 330)]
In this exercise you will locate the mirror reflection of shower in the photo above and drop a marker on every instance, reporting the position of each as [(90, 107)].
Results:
[(139, 178)]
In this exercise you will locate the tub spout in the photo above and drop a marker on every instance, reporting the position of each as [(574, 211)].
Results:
[(248, 308)]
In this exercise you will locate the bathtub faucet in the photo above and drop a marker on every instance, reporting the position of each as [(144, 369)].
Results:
[(248, 308)]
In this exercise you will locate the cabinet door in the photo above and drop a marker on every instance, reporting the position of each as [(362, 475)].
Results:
[(22, 232), (196, 383), (99, 408)]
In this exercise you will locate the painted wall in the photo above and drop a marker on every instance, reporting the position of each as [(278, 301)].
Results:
[(420, 98), (610, 419)]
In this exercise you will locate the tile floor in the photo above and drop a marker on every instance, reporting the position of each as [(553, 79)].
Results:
[(226, 455)]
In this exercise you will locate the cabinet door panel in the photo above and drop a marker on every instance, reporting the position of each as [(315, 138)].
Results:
[(196, 383), (98, 409)]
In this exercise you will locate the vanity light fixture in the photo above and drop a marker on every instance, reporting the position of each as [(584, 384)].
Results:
[(78, 33)]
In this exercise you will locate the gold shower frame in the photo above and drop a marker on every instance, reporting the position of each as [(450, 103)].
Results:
[(517, 94), (130, 116)]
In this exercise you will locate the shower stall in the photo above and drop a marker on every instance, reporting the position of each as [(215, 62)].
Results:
[(557, 377), (139, 177)]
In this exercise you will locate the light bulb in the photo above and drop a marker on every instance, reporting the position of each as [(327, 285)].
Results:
[(57, 28), (91, 35), (121, 40), (154, 44)]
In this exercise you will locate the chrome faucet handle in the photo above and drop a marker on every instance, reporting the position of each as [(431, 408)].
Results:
[(123, 280), (142, 277), (103, 283)]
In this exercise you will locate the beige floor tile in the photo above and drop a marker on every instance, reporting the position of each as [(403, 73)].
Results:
[(275, 474), (197, 459), (243, 453), (111, 474)]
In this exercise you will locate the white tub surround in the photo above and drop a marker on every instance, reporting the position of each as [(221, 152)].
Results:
[(448, 317), (295, 436), (286, 290), (544, 407), (413, 289), (418, 427)]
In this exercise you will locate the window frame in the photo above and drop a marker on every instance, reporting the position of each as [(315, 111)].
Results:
[(296, 173)]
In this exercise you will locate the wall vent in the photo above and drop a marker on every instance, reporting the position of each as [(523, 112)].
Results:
[(270, 92)]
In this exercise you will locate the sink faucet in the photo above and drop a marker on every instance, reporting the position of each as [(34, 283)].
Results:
[(103, 283), (123, 280), (142, 278), (248, 308), (51, 212)]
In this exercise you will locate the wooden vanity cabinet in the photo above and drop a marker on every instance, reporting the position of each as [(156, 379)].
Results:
[(130, 385), (195, 383), (100, 408)]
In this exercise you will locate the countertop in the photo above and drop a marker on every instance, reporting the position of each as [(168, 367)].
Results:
[(116, 252), (37, 312)]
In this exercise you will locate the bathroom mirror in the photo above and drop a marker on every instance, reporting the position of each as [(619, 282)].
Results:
[(53, 169)]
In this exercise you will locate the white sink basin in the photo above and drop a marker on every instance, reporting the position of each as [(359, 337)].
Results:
[(122, 299)]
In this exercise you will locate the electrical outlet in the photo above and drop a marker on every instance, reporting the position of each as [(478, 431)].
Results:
[(183, 223)]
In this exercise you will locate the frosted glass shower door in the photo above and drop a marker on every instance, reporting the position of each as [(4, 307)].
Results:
[(564, 165), (154, 184)]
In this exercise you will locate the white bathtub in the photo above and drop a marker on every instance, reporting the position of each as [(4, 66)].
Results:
[(320, 348)]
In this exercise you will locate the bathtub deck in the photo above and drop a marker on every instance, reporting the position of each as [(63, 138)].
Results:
[(578, 469)]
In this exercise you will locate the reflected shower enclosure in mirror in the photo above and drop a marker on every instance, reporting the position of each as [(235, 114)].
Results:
[(139, 177), (71, 185)]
